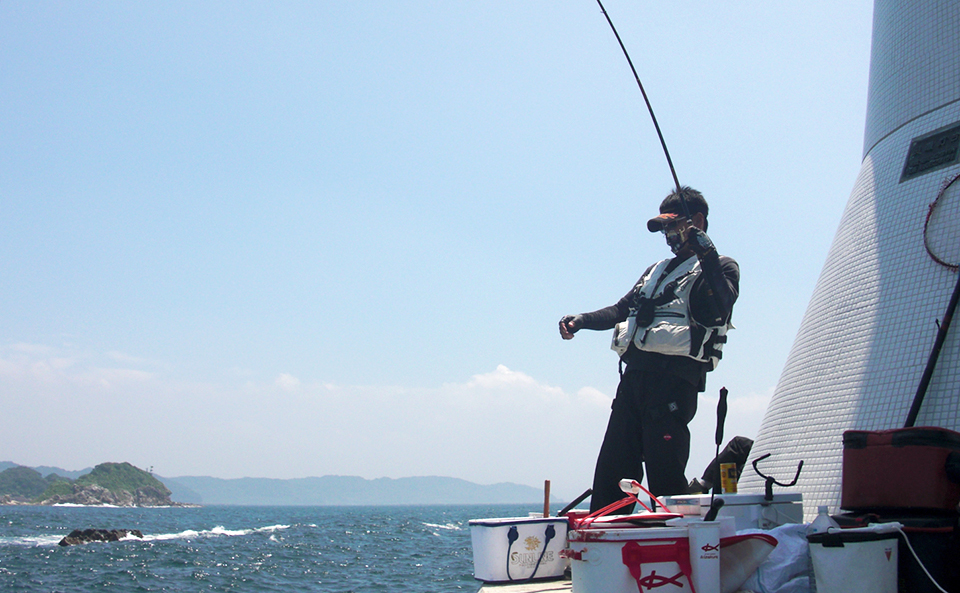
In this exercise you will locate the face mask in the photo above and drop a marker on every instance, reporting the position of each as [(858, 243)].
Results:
[(675, 239)]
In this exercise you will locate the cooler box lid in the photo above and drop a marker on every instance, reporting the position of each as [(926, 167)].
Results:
[(628, 534), (732, 499), (508, 521), (917, 436)]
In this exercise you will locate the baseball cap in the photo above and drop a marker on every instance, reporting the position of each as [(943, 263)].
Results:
[(657, 223), (671, 208)]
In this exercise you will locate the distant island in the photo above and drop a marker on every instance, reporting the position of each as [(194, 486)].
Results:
[(122, 484), (118, 484), (349, 491)]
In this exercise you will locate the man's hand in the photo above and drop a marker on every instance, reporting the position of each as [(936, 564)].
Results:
[(699, 242), (569, 325)]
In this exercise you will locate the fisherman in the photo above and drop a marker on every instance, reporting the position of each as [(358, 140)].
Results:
[(669, 330)]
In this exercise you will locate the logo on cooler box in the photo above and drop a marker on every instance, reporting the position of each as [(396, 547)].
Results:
[(529, 559), (654, 580)]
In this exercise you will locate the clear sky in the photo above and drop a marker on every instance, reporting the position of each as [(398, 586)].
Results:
[(291, 239)]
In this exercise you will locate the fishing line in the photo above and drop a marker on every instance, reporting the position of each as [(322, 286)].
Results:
[(683, 202)]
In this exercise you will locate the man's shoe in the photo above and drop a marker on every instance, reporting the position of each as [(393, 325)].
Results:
[(697, 486)]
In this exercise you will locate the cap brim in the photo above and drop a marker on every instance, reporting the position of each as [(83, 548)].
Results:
[(655, 225)]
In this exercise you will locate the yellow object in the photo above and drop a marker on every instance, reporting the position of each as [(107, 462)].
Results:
[(728, 478)]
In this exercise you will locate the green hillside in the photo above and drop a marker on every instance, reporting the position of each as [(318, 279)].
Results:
[(22, 482), (108, 483), (121, 477)]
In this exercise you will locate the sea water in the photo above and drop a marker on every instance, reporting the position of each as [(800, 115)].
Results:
[(417, 549)]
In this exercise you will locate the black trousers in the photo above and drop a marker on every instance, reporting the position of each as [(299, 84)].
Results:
[(647, 426)]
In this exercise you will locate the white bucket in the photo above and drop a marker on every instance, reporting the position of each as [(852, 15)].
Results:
[(670, 559), (518, 548), (862, 559)]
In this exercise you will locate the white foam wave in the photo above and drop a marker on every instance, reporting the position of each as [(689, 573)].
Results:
[(31, 541), (218, 531), (160, 537), (448, 526), (74, 505)]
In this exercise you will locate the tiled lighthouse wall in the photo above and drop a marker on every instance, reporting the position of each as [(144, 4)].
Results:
[(872, 321)]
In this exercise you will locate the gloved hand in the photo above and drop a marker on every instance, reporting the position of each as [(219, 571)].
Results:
[(699, 242), (569, 324)]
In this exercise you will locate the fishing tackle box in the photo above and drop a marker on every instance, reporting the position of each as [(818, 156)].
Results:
[(620, 560), (917, 469)]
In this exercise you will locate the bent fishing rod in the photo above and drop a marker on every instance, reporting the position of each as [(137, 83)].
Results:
[(676, 181), (711, 282)]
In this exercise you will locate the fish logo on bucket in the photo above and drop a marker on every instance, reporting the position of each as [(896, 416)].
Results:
[(710, 551), (654, 580)]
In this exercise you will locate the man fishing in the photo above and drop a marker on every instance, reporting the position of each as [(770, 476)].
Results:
[(670, 329)]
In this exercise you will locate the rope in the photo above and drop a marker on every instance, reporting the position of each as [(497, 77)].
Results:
[(926, 224)]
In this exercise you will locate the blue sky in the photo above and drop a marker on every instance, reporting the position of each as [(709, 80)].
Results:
[(293, 239)]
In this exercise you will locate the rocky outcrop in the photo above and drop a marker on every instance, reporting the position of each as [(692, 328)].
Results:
[(86, 536), (94, 494), (11, 500)]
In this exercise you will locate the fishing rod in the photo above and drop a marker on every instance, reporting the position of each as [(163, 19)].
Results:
[(676, 181), (711, 281)]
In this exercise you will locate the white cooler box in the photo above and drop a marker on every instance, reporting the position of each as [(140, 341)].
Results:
[(669, 559), (518, 548), (751, 511)]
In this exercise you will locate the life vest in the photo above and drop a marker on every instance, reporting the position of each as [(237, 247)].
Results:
[(660, 320)]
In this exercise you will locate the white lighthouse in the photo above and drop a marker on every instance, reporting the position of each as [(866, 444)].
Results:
[(871, 324)]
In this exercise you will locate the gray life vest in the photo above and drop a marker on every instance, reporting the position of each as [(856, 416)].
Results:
[(660, 320)]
